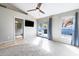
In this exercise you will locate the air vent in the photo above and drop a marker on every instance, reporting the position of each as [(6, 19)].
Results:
[(3, 6)]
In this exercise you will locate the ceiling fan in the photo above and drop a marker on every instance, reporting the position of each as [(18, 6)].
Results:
[(37, 8)]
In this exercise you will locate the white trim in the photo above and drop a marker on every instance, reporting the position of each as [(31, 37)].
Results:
[(5, 42)]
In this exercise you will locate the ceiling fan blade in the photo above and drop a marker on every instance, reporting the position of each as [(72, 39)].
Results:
[(41, 11), (39, 5), (31, 10)]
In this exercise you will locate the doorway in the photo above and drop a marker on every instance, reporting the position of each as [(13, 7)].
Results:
[(42, 28), (19, 28)]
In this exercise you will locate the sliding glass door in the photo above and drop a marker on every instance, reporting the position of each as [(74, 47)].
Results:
[(42, 28)]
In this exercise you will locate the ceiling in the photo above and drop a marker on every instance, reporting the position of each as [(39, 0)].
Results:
[(48, 8)]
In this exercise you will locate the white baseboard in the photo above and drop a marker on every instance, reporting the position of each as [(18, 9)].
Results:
[(6, 42)]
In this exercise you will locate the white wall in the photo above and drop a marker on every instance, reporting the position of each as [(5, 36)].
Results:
[(7, 25), (57, 25), (30, 32)]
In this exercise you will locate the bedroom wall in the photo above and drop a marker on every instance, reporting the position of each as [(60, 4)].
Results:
[(57, 23), (7, 25)]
